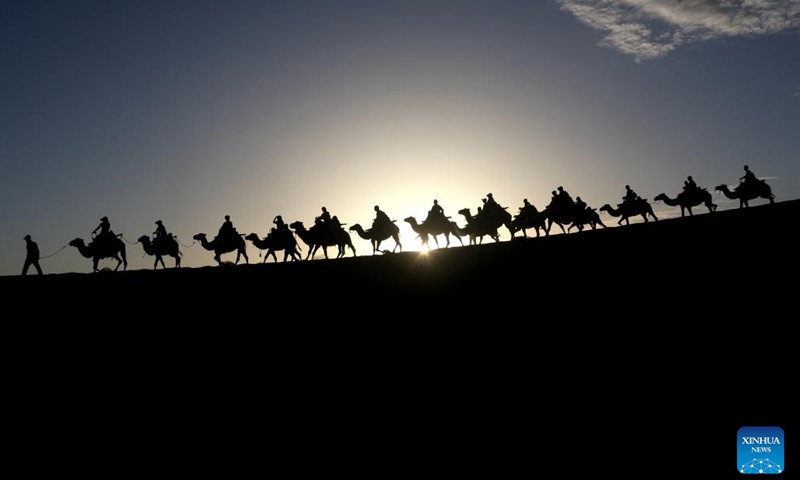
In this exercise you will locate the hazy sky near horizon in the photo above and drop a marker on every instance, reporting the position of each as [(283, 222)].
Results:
[(186, 111)]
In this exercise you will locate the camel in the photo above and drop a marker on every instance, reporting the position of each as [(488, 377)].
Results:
[(273, 243), (233, 244), (686, 200), (378, 234), (563, 213), (641, 207), (526, 220), (587, 217), (317, 236), (745, 192), (469, 231), (169, 246), (433, 228), (479, 226), (112, 248)]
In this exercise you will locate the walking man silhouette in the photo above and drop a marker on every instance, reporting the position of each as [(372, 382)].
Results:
[(33, 256)]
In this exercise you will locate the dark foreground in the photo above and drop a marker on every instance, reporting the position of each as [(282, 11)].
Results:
[(546, 355)]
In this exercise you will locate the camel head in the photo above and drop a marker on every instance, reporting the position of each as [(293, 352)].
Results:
[(298, 225), (143, 239), (200, 237), (660, 197), (356, 227), (464, 211), (78, 242), (605, 208), (722, 188), (410, 220), (252, 237)]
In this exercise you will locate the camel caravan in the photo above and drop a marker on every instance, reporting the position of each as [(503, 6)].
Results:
[(490, 218)]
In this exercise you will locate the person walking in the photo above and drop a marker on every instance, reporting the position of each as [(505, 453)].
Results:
[(33, 256)]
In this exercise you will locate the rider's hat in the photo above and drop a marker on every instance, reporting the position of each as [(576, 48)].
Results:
[(104, 219), (27, 237)]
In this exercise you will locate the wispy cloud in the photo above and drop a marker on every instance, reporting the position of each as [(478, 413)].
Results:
[(648, 29)]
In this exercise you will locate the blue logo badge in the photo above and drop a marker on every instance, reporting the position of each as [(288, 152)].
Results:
[(760, 450)]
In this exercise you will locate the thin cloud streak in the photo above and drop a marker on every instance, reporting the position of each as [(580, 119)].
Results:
[(649, 29)]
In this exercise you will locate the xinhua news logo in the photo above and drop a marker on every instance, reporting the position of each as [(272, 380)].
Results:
[(760, 450)]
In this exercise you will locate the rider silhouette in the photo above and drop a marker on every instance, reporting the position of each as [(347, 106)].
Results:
[(324, 218), (580, 205), (526, 207), (105, 231), (381, 219), (630, 196), (436, 212), (749, 177), (226, 230), (161, 232), (564, 197), (491, 204)]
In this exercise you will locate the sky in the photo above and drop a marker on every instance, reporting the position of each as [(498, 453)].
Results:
[(187, 111)]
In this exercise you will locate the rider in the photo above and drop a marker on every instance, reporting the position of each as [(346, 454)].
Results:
[(436, 212), (226, 230), (564, 197), (630, 196), (161, 232), (324, 218), (526, 208), (105, 230), (749, 177), (491, 205), (280, 228), (279, 223), (580, 205), (380, 218)]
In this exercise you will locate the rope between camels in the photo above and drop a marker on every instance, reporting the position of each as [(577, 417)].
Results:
[(48, 256)]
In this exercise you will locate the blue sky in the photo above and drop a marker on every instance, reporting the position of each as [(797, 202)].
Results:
[(186, 111)]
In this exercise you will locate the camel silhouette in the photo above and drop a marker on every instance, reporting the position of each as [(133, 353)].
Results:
[(376, 235), (587, 217), (319, 236), (169, 247), (746, 192), (273, 243), (638, 207), (569, 213), (469, 232), (479, 227), (233, 244), (686, 200), (429, 228), (110, 248), (526, 220)]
